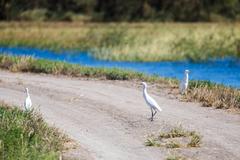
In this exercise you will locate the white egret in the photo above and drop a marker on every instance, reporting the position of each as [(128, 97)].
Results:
[(28, 102), (150, 101), (184, 83)]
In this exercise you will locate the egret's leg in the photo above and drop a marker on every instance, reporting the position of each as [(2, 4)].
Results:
[(152, 115), (154, 112)]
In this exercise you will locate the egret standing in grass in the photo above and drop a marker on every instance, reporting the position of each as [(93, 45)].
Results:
[(184, 83), (28, 101), (150, 101)]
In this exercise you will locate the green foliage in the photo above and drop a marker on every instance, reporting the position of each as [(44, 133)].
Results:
[(61, 16), (43, 66), (116, 74), (124, 10), (25, 135), (34, 15)]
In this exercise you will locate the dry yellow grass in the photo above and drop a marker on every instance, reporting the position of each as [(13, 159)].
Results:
[(120, 41)]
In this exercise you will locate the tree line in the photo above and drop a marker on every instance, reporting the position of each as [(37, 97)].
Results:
[(121, 10)]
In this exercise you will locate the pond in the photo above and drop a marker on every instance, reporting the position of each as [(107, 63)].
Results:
[(222, 71)]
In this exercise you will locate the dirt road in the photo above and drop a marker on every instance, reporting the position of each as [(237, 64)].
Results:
[(110, 119)]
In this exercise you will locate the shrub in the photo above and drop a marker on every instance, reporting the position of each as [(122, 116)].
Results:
[(34, 15)]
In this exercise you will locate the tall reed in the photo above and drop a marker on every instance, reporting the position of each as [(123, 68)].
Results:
[(129, 41)]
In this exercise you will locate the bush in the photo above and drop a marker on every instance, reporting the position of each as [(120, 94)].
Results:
[(34, 15)]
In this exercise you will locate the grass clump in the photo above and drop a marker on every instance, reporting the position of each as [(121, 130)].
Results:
[(173, 144), (175, 157), (214, 95), (25, 135), (173, 133), (195, 140), (151, 142), (177, 137)]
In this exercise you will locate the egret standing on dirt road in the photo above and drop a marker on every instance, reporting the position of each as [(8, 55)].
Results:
[(28, 102), (150, 101), (184, 83)]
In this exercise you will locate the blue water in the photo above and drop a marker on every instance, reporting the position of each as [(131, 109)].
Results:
[(223, 71)]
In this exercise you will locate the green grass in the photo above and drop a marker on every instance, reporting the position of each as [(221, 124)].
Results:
[(209, 94), (129, 41), (29, 64), (151, 142), (25, 135)]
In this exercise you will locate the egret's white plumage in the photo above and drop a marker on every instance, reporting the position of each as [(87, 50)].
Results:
[(150, 101), (28, 101), (184, 83)]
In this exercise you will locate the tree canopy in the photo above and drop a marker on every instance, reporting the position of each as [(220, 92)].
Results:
[(121, 10)]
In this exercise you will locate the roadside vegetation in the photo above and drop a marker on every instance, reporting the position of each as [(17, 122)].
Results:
[(207, 93), (129, 41), (213, 95), (25, 135), (176, 157), (177, 137)]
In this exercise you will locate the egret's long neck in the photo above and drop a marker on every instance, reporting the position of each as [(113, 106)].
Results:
[(144, 90), (28, 94), (186, 77)]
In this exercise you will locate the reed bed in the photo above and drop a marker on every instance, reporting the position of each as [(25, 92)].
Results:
[(129, 41)]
